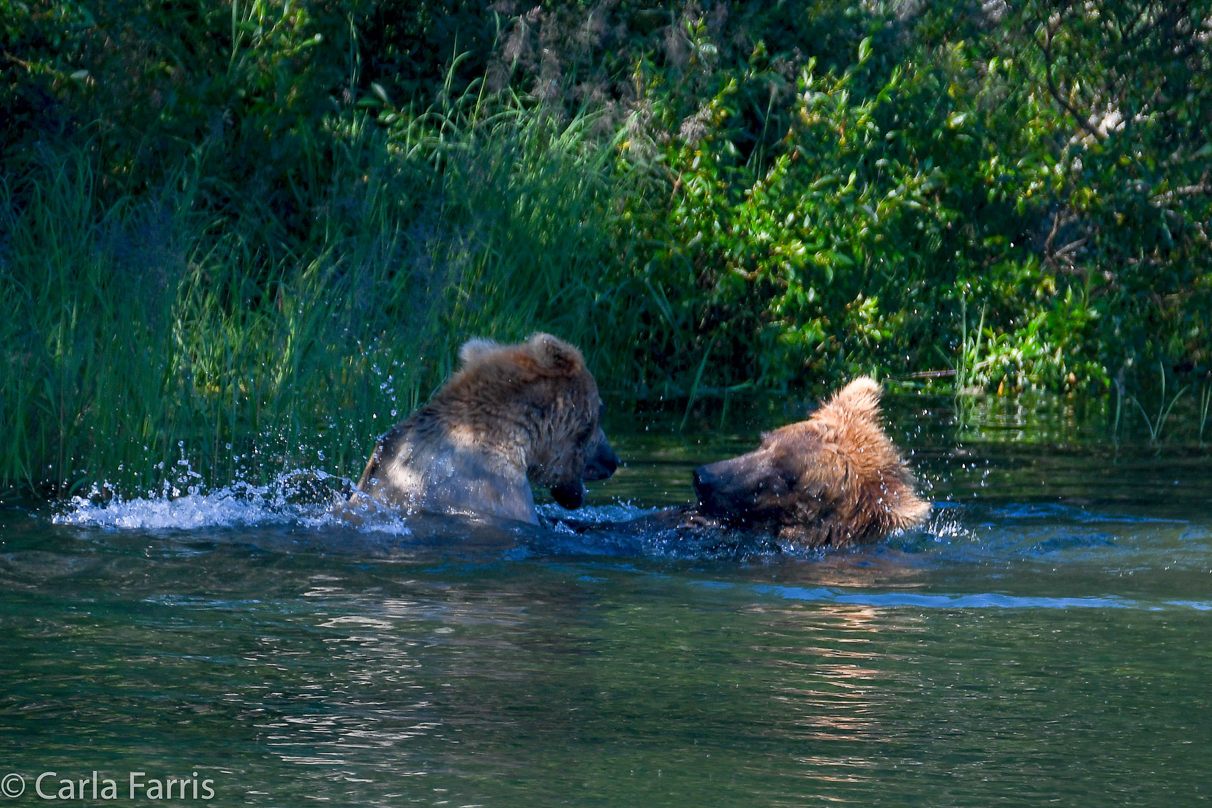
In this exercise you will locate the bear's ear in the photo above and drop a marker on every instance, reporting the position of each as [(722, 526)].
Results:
[(554, 355), (476, 349), (860, 398)]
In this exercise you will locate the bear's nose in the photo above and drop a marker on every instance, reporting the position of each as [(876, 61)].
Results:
[(610, 460), (602, 464), (703, 480)]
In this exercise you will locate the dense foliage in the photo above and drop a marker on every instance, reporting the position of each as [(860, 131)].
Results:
[(242, 235)]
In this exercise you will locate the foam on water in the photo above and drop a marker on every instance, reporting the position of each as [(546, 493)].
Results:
[(594, 514), (224, 508), (305, 497)]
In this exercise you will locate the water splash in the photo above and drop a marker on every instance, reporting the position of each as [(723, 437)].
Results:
[(998, 536), (593, 514), (304, 497)]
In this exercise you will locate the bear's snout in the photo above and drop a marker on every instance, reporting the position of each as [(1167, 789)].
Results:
[(602, 463), (743, 487), (711, 485)]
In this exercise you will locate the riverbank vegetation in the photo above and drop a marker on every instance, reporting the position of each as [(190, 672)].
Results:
[(241, 237)]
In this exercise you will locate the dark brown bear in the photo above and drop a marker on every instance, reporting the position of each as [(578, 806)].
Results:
[(835, 479), (511, 416)]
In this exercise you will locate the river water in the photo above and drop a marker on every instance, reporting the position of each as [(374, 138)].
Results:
[(1047, 638)]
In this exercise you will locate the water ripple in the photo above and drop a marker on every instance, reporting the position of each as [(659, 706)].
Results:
[(982, 600)]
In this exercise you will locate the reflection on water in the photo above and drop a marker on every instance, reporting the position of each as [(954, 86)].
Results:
[(1045, 638)]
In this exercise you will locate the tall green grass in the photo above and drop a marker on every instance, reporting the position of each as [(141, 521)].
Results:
[(160, 340)]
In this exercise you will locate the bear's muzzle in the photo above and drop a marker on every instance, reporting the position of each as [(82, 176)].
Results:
[(602, 461)]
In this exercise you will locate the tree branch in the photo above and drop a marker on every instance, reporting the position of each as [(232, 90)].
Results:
[(1055, 92)]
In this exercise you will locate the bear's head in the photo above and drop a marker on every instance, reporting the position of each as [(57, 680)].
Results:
[(539, 399), (833, 479)]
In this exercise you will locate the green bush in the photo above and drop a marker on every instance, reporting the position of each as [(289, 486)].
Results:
[(269, 224)]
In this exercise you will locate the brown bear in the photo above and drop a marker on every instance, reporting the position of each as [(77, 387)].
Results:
[(835, 479), (512, 415)]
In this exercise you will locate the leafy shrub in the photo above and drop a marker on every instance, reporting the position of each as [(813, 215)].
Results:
[(269, 224)]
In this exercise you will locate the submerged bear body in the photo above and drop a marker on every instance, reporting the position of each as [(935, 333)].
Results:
[(511, 416)]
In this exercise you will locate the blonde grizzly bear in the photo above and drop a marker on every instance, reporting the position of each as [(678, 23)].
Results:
[(835, 479), (511, 416)]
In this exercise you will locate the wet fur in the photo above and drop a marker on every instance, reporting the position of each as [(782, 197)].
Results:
[(833, 480), (511, 416)]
